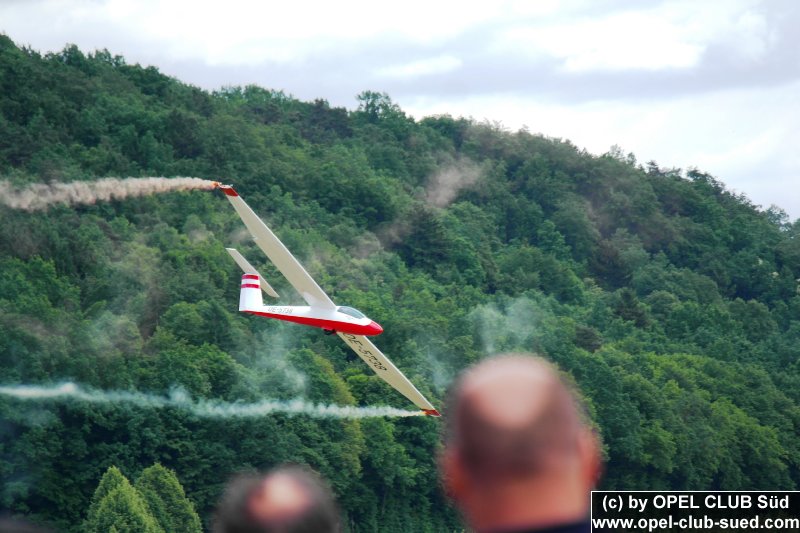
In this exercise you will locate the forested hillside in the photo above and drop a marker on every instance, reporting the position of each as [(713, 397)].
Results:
[(673, 302)]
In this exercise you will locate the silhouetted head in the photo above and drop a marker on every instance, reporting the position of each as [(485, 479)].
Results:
[(19, 525), (289, 499), (518, 450)]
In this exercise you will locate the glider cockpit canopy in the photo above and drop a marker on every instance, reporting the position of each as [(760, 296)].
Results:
[(355, 313)]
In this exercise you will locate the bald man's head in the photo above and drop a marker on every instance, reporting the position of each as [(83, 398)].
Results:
[(512, 415), (518, 449), (287, 500)]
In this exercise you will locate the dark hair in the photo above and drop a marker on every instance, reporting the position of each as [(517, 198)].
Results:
[(234, 514), (18, 525)]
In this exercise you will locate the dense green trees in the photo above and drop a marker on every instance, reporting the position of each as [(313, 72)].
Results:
[(156, 504), (672, 302), (166, 500)]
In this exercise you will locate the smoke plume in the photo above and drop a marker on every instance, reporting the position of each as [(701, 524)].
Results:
[(453, 176), (281, 339), (444, 186), (39, 196), (510, 327), (179, 399)]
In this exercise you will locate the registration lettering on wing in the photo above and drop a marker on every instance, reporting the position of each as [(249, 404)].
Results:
[(364, 352)]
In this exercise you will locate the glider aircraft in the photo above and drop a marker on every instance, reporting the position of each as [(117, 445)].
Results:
[(350, 324)]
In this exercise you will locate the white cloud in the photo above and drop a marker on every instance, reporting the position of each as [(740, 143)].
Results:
[(671, 35), (425, 67), (618, 42), (239, 32), (749, 34)]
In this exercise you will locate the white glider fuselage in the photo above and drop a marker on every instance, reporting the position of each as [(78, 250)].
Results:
[(340, 319)]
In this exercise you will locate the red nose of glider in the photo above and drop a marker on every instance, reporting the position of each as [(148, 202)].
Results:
[(374, 328)]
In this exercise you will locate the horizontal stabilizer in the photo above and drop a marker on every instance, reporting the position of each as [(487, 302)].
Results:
[(248, 268)]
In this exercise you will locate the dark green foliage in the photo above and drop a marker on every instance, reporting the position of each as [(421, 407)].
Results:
[(111, 480), (118, 506), (166, 500), (125, 511), (672, 302)]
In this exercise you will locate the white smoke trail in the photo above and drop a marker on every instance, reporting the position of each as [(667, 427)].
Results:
[(179, 399), (42, 195), (444, 186)]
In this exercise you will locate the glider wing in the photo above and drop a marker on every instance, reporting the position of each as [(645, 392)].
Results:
[(387, 371), (278, 253)]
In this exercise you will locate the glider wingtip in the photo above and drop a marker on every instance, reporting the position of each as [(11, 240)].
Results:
[(431, 412), (227, 189)]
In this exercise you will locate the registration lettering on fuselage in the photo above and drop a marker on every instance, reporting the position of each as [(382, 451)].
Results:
[(279, 310)]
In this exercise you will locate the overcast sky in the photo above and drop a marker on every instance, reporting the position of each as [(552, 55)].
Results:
[(687, 83)]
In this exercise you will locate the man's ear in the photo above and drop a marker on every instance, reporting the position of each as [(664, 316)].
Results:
[(591, 462), (453, 476)]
